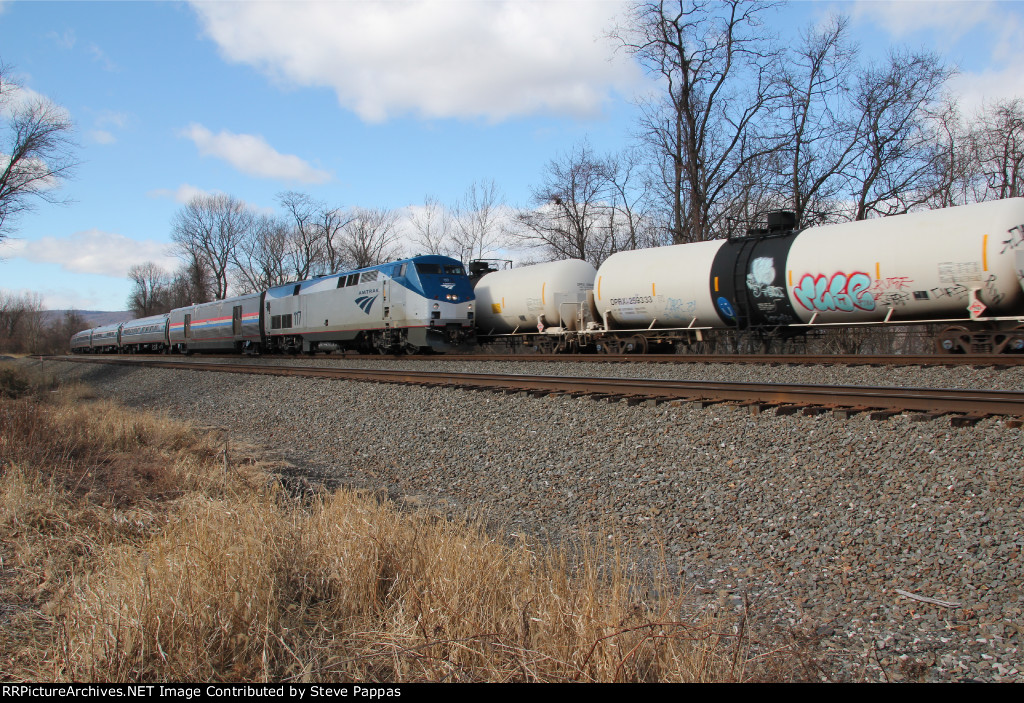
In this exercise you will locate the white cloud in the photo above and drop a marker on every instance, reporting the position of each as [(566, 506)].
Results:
[(251, 155), (64, 41), (904, 17), (91, 251), (101, 136), (956, 26), (432, 58), (978, 89), (186, 192), (182, 194)]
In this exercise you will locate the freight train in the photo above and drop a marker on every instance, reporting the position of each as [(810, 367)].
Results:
[(959, 268)]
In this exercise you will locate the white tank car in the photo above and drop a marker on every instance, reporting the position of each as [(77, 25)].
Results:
[(958, 263), (666, 286), (533, 298), (927, 265)]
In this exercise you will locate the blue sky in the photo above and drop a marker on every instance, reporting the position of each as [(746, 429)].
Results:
[(373, 104)]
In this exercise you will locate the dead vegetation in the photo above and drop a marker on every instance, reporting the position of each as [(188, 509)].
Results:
[(129, 554)]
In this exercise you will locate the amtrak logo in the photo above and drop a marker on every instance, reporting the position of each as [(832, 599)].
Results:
[(449, 286), (365, 302)]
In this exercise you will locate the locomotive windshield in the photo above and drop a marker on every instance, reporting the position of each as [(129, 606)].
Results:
[(451, 270)]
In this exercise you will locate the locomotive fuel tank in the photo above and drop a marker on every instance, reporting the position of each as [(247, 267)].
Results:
[(534, 297)]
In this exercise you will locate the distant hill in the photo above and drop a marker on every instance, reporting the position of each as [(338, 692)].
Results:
[(92, 318)]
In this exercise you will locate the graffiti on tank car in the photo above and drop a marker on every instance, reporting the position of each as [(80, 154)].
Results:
[(893, 299), (882, 285), (957, 290), (1015, 239), (761, 278), (678, 306), (993, 293), (842, 292)]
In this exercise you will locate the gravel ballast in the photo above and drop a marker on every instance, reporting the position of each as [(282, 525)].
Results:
[(814, 522)]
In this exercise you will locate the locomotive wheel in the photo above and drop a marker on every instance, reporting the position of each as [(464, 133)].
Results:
[(953, 340)]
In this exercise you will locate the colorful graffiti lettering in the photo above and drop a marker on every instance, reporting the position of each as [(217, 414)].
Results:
[(843, 292)]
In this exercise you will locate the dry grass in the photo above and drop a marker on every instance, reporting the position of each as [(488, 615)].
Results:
[(129, 554)]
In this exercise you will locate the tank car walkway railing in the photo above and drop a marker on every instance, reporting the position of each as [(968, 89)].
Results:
[(976, 403)]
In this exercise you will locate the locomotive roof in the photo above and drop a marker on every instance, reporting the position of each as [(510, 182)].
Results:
[(276, 291)]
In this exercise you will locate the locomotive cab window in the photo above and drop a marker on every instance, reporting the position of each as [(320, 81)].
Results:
[(428, 268)]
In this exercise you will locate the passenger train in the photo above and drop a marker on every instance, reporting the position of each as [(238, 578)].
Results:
[(414, 305), (959, 268)]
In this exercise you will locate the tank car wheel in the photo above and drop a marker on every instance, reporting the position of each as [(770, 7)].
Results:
[(639, 344), (611, 346), (953, 340), (1015, 344), (1009, 341)]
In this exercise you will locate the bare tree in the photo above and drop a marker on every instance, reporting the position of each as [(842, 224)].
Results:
[(476, 229), (954, 173), (259, 260), (330, 224), (207, 231), (630, 216), (999, 139), (721, 75), (35, 151), (891, 104), (305, 252), (571, 215), (149, 294), (370, 237), (192, 284), (433, 228), (822, 134), (20, 321)]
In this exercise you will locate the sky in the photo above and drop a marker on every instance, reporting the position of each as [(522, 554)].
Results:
[(370, 104)]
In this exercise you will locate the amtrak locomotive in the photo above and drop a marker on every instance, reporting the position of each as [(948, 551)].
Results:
[(420, 304)]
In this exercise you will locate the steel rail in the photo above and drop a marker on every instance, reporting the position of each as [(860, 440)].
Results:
[(768, 359), (946, 400)]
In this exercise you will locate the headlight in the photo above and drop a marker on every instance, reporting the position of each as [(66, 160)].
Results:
[(470, 306), (437, 306)]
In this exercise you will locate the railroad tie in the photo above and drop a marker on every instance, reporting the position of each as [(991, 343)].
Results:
[(966, 420), (884, 414)]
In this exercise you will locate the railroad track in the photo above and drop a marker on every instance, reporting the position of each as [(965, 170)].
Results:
[(1005, 360), (967, 407)]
